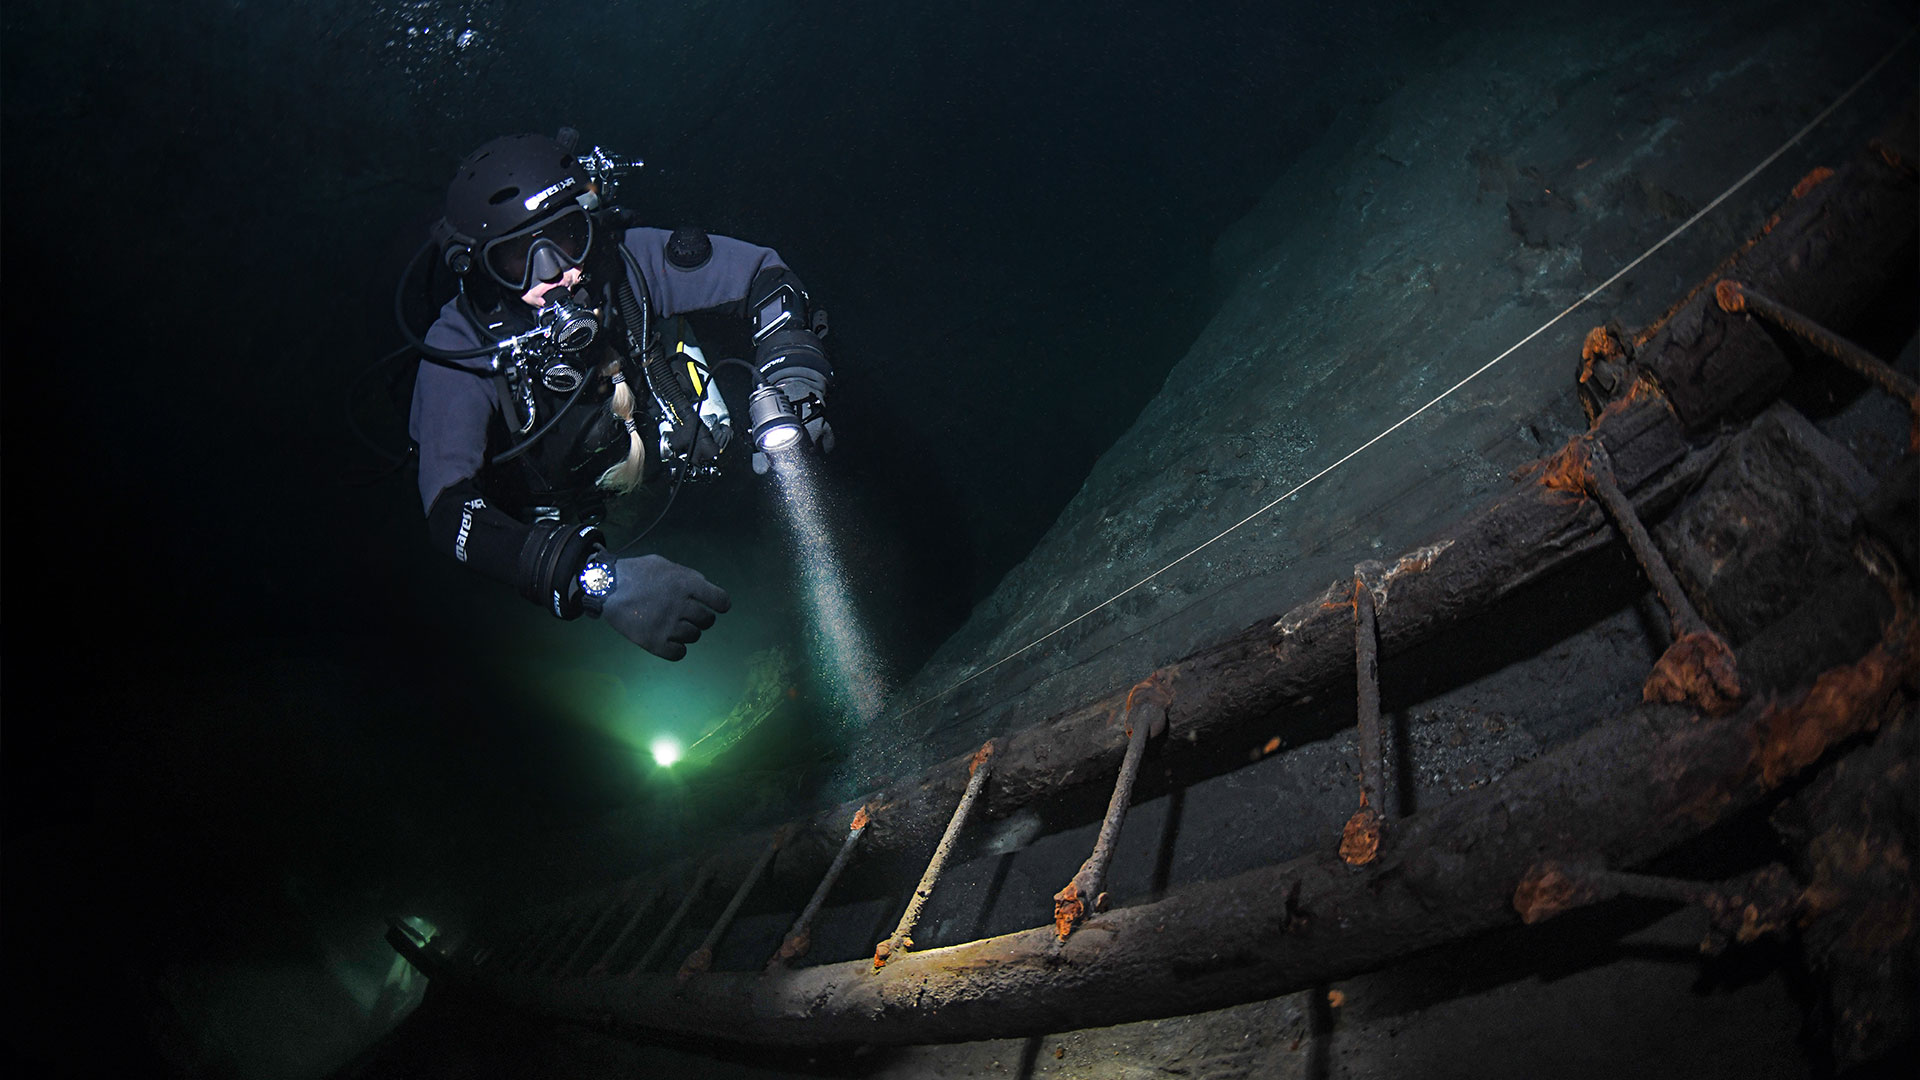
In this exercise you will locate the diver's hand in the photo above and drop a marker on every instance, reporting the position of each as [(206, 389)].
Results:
[(662, 606), (821, 433)]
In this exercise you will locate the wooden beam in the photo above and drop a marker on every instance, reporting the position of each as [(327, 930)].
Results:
[(1628, 790)]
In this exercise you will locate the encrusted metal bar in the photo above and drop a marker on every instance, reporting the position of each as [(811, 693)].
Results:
[(586, 912), (539, 957), (1600, 481), (1360, 840), (665, 936), (1086, 891), (620, 898), (902, 939), (799, 938), (702, 958), (639, 911), (1736, 296), (1698, 667), (1740, 909)]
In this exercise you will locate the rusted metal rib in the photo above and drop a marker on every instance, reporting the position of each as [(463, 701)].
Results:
[(586, 912), (665, 936), (702, 958), (799, 938), (619, 899), (1683, 616), (902, 939), (1742, 909), (651, 897), (1827, 254), (1735, 296), (1360, 840), (1086, 891), (1698, 667), (1627, 790)]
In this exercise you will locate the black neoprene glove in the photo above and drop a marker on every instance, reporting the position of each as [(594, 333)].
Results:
[(662, 606)]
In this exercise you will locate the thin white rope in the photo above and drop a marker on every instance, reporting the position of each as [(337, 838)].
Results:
[(1482, 369)]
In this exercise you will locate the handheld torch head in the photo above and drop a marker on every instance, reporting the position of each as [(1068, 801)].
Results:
[(774, 421)]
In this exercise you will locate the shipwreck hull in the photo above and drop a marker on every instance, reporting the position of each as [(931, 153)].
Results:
[(1734, 715)]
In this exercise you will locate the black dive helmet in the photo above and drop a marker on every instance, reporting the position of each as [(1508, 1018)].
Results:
[(519, 210)]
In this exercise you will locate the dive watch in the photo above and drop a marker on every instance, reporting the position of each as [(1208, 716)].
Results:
[(597, 580)]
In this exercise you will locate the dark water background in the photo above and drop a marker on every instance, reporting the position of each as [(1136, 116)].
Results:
[(247, 711)]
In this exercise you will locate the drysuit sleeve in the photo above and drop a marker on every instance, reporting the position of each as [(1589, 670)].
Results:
[(541, 560), (452, 408), (688, 271)]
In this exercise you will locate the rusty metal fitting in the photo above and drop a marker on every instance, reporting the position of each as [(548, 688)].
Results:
[(1730, 296), (1740, 909), (1698, 669), (1813, 179), (1602, 344), (1071, 904), (978, 769)]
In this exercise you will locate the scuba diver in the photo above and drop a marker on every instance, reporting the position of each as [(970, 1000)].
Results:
[(563, 374)]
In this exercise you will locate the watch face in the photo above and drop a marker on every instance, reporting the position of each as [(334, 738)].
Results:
[(597, 579)]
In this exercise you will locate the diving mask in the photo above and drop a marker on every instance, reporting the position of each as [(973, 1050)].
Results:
[(541, 251)]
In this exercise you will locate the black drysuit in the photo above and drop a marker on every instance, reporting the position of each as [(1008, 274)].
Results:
[(459, 420)]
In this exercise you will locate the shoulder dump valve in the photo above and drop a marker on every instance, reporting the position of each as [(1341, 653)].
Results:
[(689, 248)]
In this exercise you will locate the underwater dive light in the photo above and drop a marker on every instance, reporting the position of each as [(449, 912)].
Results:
[(775, 424), (666, 751)]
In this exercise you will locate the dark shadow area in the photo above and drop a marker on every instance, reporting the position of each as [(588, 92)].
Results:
[(1320, 1028), (1030, 1056), (1001, 867), (1163, 852)]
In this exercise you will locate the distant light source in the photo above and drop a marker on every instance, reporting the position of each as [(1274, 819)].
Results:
[(665, 751)]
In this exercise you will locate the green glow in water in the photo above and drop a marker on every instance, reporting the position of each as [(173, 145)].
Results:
[(666, 751)]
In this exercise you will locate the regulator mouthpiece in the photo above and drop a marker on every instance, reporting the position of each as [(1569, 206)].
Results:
[(776, 427), (568, 325), (560, 376)]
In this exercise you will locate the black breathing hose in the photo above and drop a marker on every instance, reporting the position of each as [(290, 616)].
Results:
[(753, 373), (353, 419), (661, 380), (526, 444), (657, 518), (428, 352), (638, 316)]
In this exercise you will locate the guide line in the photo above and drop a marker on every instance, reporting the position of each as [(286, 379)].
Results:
[(1677, 232)]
